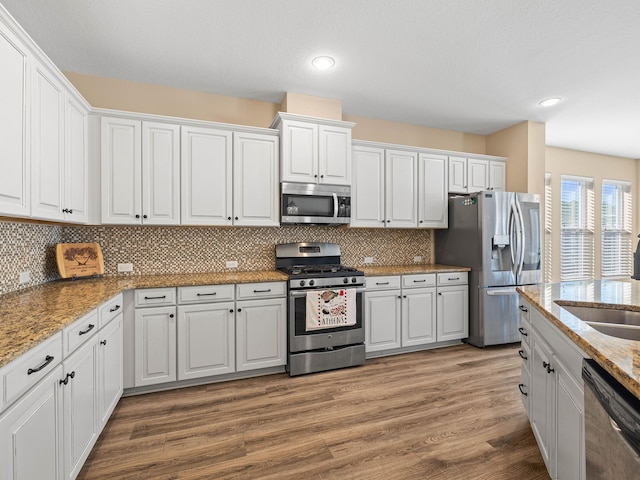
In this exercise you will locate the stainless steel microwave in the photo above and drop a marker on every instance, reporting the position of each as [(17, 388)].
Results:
[(313, 204)]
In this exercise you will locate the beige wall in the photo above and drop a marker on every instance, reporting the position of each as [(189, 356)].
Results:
[(560, 161), (313, 106)]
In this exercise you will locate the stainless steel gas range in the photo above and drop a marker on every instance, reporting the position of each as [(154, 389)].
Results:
[(326, 308)]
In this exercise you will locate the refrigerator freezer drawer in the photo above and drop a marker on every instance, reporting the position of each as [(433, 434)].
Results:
[(497, 319)]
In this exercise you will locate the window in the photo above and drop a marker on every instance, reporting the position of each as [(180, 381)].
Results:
[(577, 226), (616, 228), (548, 250)]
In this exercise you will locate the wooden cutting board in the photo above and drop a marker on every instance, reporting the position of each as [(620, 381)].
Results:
[(79, 259)]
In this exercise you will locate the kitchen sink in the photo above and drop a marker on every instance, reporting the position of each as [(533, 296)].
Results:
[(617, 323)]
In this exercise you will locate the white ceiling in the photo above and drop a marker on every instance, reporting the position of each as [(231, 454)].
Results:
[(475, 66)]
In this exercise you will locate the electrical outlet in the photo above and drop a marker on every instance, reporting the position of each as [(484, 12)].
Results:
[(25, 277), (369, 260), (417, 259), (125, 267), (232, 264)]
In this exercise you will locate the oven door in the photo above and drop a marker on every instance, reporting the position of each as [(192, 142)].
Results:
[(315, 204), (301, 340)]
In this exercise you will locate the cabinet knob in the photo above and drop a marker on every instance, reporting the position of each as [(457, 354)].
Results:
[(315, 176), (144, 216), (321, 176), (236, 218), (231, 310), (388, 221), (228, 218), (137, 216), (239, 310), (171, 315), (439, 293)]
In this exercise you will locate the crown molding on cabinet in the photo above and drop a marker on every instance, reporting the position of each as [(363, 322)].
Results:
[(433, 151)]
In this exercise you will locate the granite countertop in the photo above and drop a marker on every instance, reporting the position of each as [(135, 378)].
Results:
[(410, 269), (620, 357), (30, 316)]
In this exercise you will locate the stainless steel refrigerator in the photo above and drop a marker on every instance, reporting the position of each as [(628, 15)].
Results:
[(497, 235)]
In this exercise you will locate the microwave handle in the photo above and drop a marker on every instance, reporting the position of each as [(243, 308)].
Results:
[(335, 206)]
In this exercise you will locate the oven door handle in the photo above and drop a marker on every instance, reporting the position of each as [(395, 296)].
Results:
[(303, 293)]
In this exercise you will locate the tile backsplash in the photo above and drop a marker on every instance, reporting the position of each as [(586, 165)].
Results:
[(155, 250)]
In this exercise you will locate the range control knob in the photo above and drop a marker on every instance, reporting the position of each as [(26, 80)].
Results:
[(354, 279), (346, 280), (302, 282), (312, 282)]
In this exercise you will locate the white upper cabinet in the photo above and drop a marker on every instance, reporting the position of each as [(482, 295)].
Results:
[(469, 175), (14, 126), (367, 192), (206, 164), (432, 191), (314, 150), (47, 145), (76, 178), (401, 172), (140, 164), (255, 179)]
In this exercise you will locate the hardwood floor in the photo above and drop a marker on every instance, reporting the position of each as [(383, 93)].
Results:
[(451, 413)]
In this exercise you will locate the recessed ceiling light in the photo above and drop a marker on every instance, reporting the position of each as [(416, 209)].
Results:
[(549, 102), (323, 62)]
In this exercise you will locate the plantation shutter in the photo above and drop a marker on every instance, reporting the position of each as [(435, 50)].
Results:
[(548, 208), (577, 227), (617, 246)]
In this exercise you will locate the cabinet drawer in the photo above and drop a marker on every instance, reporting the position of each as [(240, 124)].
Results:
[(420, 280), (525, 388), (246, 291), (525, 310), (205, 294), (383, 283), (525, 332), (109, 309), (79, 332), (153, 297), (525, 355), (453, 278), (25, 371)]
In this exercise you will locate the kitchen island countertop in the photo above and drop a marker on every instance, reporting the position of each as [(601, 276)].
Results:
[(620, 357)]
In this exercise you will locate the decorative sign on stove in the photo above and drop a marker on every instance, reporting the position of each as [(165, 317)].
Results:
[(330, 308), (79, 260)]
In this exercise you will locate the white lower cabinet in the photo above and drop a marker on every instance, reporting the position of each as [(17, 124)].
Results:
[(418, 316), (555, 395), (261, 333), (31, 433), (206, 340), (453, 313), (155, 345), (383, 313), (110, 368)]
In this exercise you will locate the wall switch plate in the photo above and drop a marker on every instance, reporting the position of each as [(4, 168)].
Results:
[(232, 264), (417, 259), (25, 277), (125, 267), (369, 260)]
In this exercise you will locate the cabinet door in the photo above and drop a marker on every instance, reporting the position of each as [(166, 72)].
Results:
[(367, 192), (382, 320), (255, 180), (542, 401), (418, 316), (401, 196), (453, 313), (80, 402), (110, 369), (47, 144), (155, 345), (206, 340), (299, 143), (569, 427), (76, 162), (160, 174), (477, 175), (14, 126), (206, 164), (457, 175), (334, 162), (121, 170), (433, 201), (497, 175), (31, 433), (261, 333)]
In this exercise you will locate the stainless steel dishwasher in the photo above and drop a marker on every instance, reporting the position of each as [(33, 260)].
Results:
[(612, 426)]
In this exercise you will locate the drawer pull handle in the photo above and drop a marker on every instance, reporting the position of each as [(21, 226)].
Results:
[(382, 283), (103, 342), (47, 360), (89, 328), (452, 279), (262, 291), (522, 391), (523, 308), (547, 366), (523, 331), (155, 298), (66, 379), (117, 307), (419, 281), (522, 355), (206, 294)]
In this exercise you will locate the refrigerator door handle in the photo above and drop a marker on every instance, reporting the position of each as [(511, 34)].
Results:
[(513, 233), (521, 240)]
